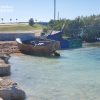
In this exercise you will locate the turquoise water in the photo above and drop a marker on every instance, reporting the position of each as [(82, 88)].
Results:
[(73, 76)]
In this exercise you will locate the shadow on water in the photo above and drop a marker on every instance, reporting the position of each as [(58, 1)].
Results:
[(54, 55)]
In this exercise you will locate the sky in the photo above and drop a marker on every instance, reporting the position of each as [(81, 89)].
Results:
[(43, 10)]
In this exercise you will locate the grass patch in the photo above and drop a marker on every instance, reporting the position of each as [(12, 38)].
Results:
[(20, 27)]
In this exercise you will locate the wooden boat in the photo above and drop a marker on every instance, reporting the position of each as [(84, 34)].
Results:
[(38, 46), (67, 43)]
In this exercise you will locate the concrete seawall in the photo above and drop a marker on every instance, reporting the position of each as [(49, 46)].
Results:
[(13, 36), (8, 44)]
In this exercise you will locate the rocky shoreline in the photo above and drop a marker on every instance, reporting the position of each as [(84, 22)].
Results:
[(8, 47), (9, 90)]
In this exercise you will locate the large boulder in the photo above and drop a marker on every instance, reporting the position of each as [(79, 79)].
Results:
[(5, 69), (10, 90), (4, 65), (5, 57)]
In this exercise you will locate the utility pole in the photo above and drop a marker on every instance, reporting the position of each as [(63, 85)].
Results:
[(54, 10), (58, 15)]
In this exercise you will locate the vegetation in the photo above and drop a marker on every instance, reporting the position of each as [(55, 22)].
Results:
[(19, 27), (45, 30), (31, 22), (10, 19), (88, 28), (2, 20)]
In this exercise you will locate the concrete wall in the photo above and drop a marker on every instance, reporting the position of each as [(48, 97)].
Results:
[(13, 36)]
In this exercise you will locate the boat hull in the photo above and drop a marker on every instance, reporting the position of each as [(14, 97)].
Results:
[(69, 43), (39, 50)]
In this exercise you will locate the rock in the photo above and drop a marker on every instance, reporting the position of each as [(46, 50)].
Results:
[(2, 61), (4, 65), (5, 57), (9, 47), (5, 69), (17, 94), (10, 90)]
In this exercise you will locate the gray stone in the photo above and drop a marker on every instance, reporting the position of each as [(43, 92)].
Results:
[(10, 90), (5, 69)]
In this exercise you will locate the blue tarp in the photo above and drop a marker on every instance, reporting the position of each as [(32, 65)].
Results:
[(56, 36), (26, 38)]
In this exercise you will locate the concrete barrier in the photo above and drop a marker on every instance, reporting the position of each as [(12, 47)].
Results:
[(13, 36)]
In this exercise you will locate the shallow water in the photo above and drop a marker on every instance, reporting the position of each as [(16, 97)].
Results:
[(73, 76)]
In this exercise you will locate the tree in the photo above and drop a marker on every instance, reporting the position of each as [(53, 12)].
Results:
[(88, 28), (57, 24), (51, 24), (10, 19), (2, 20), (16, 19), (31, 22), (35, 20)]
